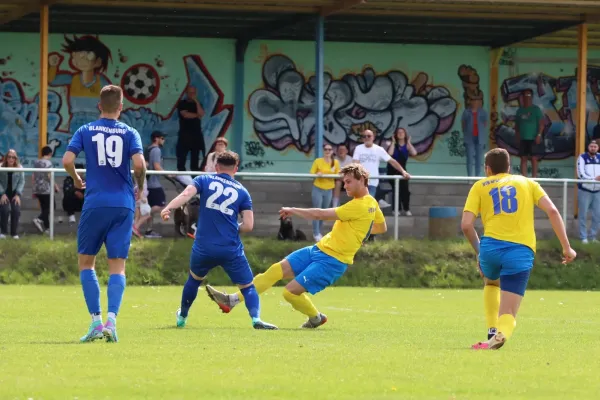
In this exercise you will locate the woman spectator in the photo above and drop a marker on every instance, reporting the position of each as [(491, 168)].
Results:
[(344, 159), (211, 160), (400, 149), (323, 187), (11, 190)]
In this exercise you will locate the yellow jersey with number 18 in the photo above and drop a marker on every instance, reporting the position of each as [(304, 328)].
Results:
[(506, 204), (352, 229)]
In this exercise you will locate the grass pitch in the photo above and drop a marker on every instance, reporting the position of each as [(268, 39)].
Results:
[(378, 343)]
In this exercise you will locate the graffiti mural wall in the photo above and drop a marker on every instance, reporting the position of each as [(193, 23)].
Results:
[(153, 73), (382, 88), (551, 75)]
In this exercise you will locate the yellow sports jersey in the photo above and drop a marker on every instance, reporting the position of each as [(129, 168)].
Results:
[(324, 167), (352, 229), (506, 204)]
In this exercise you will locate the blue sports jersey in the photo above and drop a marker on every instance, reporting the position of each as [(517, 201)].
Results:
[(108, 146), (222, 199)]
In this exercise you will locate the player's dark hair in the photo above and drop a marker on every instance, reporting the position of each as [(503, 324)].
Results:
[(46, 151), (91, 44), (111, 97), (357, 171), (228, 159), (498, 160)]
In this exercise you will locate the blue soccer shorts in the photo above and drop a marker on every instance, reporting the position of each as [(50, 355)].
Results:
[(237, 266), (315, 270), (509, 262), (111, 226)]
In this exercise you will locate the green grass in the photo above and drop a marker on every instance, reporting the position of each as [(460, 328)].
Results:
[(378, 343)]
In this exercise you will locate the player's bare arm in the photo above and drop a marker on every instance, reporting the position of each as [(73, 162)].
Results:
[(379, 228), (189, 115), (247, 221), (69, 165), (398, 167), (139, 171), (559, 228), (468, 227), (327, 214), (185, 196)]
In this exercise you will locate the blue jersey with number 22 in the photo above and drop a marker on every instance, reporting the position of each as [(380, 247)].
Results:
[(108, 145), (222, 199)]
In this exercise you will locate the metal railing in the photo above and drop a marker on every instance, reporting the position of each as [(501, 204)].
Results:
[(396, 178)]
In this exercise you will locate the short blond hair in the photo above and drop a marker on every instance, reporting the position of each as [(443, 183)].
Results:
[(111, 97), (357, 171)]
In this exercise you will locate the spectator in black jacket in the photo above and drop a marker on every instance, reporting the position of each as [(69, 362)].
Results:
[(72, 198)]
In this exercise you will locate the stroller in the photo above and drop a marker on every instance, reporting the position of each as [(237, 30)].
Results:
[(186, 216)]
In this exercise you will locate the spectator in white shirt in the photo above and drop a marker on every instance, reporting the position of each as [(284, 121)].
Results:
[(370, 156), (211, 161), (344, 159), (588, 167)]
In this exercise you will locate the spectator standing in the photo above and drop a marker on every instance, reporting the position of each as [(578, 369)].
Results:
[(370, 156), (156, 194), (323, 187), (72, 197), (400, 149), (588, 167), (11, 193), (474, 126), (529, 126), (191, 137), (41, 190), (211, 160), (344, 159)]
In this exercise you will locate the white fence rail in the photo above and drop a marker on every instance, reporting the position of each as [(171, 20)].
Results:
[(564, 182)]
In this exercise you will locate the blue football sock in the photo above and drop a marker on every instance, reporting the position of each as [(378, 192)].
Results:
[(116, 287), (252, 301), (91, 290), (190, 291)]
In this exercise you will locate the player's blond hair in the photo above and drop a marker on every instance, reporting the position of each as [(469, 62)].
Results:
[(498, 160), (357, 171), (111, 97)]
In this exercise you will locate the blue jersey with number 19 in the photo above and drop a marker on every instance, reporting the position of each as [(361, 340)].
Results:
[(108, 145), (506, 204), (222, 199)]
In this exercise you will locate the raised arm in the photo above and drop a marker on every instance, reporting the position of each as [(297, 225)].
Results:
[(327, 214), (185, 196)]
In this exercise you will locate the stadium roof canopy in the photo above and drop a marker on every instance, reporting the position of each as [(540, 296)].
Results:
[(493, 23)]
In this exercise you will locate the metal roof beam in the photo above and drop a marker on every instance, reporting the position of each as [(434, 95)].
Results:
[(23, 9), (340, 6), (550, 28)]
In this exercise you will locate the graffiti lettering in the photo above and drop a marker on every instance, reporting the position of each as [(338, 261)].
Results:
[(557, 97), (283, 111)]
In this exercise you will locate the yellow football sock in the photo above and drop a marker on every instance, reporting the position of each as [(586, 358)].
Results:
[(301, 303), (491, 305), (265, 280), (506, 325)]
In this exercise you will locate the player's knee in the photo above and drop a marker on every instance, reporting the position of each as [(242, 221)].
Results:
[(491, 282), (286, 269), (288, 296), (197, 277)]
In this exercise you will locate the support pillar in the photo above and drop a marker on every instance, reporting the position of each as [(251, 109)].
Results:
[(319, 72), (495, 56), (239, 102), (43, 94), (581, 124)]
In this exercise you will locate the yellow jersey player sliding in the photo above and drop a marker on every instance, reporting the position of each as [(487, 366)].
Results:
[(316, 267), (506, 251)]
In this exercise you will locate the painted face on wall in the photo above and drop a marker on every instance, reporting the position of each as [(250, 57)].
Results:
[(85, 61)]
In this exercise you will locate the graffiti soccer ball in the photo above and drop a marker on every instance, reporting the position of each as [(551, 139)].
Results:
[(140, 84)]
